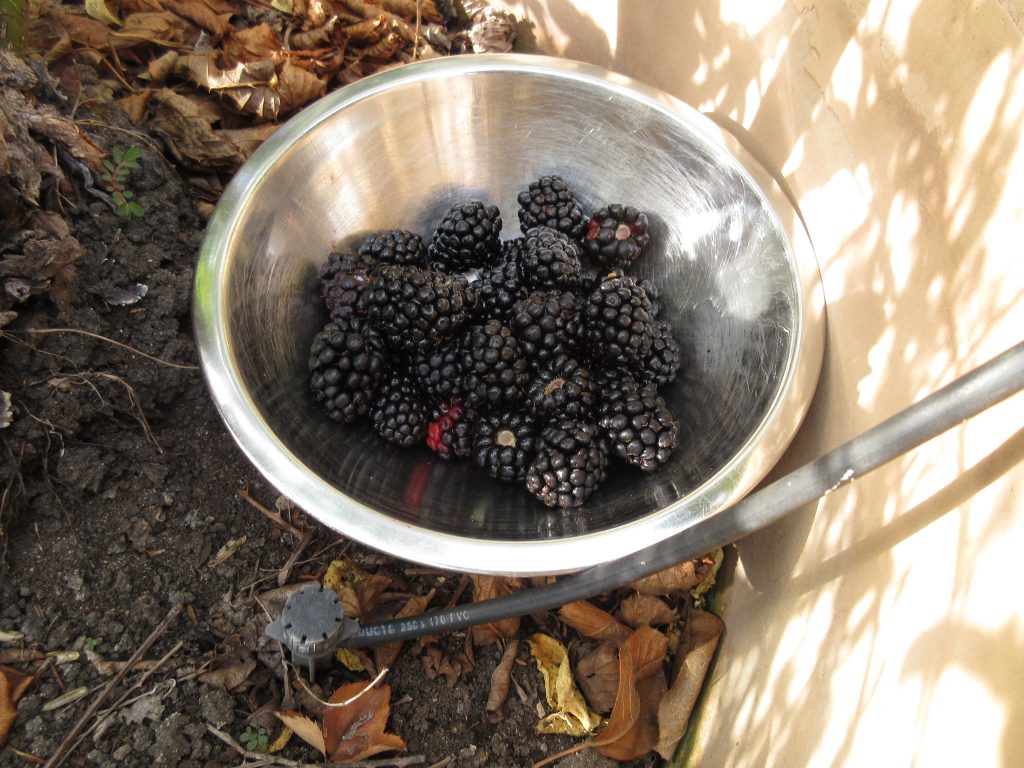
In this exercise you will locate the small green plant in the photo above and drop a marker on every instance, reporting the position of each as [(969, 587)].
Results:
[(90, 643), (116, 178), (254, 740)]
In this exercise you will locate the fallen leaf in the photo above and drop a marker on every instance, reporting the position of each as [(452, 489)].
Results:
[(384, 655), (256, 43), (646, 611), (185, 128), (297, 87), (66, 698), (231, 676), (160, 68), (501, 680), (341, 572), (357, 731), (134, 105), (250, 88), (436, 663), (572, 716), (590, 621), (98, 10), (407, 9), (597, 674), (361, 599), (632, 729), (713, 561), (212, 15), (693, 657), (12, 685), (303, 727), (227, 551), (349, 659), (485, 588), (248, 139), (678, 578), (150, 27)]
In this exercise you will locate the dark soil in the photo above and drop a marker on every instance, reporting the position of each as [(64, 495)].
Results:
[(119, 483)]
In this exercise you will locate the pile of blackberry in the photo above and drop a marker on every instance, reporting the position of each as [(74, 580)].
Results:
[(537, 357)]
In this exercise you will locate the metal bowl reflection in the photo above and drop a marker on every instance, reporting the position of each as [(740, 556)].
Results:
[(737, 277)]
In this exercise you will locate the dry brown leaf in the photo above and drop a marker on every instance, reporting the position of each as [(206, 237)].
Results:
[(156, 27), (79, 27), (678, 578), (366, 32), (590, 621), (185, 127), (632, 729), (597, 674), (254, 43), (230, 676), (572, 716), (501, 680), (248, 139), (693, 658), (12, 685), (160, 68), (646, 611), (249, 88), (407, 10), (298, 87), (384, 655), (134, 105), (212, 15), (485, 588), (98, 10), (361, 599), (303, 727), (357, 731), (438, 664)]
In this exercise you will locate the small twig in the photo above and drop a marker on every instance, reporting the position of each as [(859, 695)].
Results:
[(286, 569), (348, 701), (63, 750), (275, 516), (91, 335), (442, 763)]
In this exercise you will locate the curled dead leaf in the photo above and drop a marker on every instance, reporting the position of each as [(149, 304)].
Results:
[(501, 681), (184, 126), (485, 588), (297, 87), (357, 731), (590, 621), (12, 685), (384, 655), (646, 611), (249, 88), (598, 676), (212, 15), (572, 716), (303, 727), (678, 578)]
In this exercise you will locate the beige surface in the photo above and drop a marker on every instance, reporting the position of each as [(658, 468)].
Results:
[(883, 625)]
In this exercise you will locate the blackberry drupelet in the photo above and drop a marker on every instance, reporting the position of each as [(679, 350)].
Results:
[(571, 462), (451, 430), (493, 365), (562, 389), (399, 414), (618, 321), (416, 309), (550, 260), (512, 250), (343, 279), (549, 202), (395, 246), (638, 424), (662, 364), (616, 235), (466, 238), (439, 370), (504, 445), (547, 322), (499, 289), (346, 365)]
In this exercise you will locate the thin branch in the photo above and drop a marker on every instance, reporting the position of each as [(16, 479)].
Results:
[(275, 516)]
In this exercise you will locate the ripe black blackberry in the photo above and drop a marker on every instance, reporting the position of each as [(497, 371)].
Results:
[(493, 365), (346, 364), (616, 235), (662, 364), (466, 238), (439, 370), (512, 250), (399, 414), (549, 260), (571, 462), (562, 389), (547, 322), (416, 309), (395, 246), (549, 202), (342, 281), (505, 444), (451, 430), (499, 289), (618, 321), (638, 424)]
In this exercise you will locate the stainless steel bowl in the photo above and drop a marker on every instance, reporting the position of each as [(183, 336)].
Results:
[(737, 275)]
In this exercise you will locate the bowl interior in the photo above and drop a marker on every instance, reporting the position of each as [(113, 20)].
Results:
[(395, 151)]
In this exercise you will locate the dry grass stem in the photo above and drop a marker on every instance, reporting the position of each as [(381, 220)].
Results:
[(91, 335), (274, 516)]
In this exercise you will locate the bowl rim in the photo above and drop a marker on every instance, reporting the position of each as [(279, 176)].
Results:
[(287, 473)]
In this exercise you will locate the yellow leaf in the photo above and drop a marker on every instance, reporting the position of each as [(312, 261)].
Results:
[(708, 581), (572, 716), (99, 11), (349, 659), (342, 572), (285, 6), (281, 741), (306, 729)]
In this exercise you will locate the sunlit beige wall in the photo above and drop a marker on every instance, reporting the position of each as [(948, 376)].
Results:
[(884, 625)]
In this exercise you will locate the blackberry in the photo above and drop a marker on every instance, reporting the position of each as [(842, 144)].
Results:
[(499, 289), (571, 462), (346, 365), (343, 279), (562, 390), (416, 309), (616, 235), (504, 445), (549, 202), (494, 366), (395, 246), (639, 426), (512, 250), (399, 414), (662, 364), (549, 260), (439, 370), (618, 321), (466, 238), (451, 430), (547, 324)]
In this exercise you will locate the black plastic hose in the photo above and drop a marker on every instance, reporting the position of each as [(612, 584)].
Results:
[(958, 401)]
